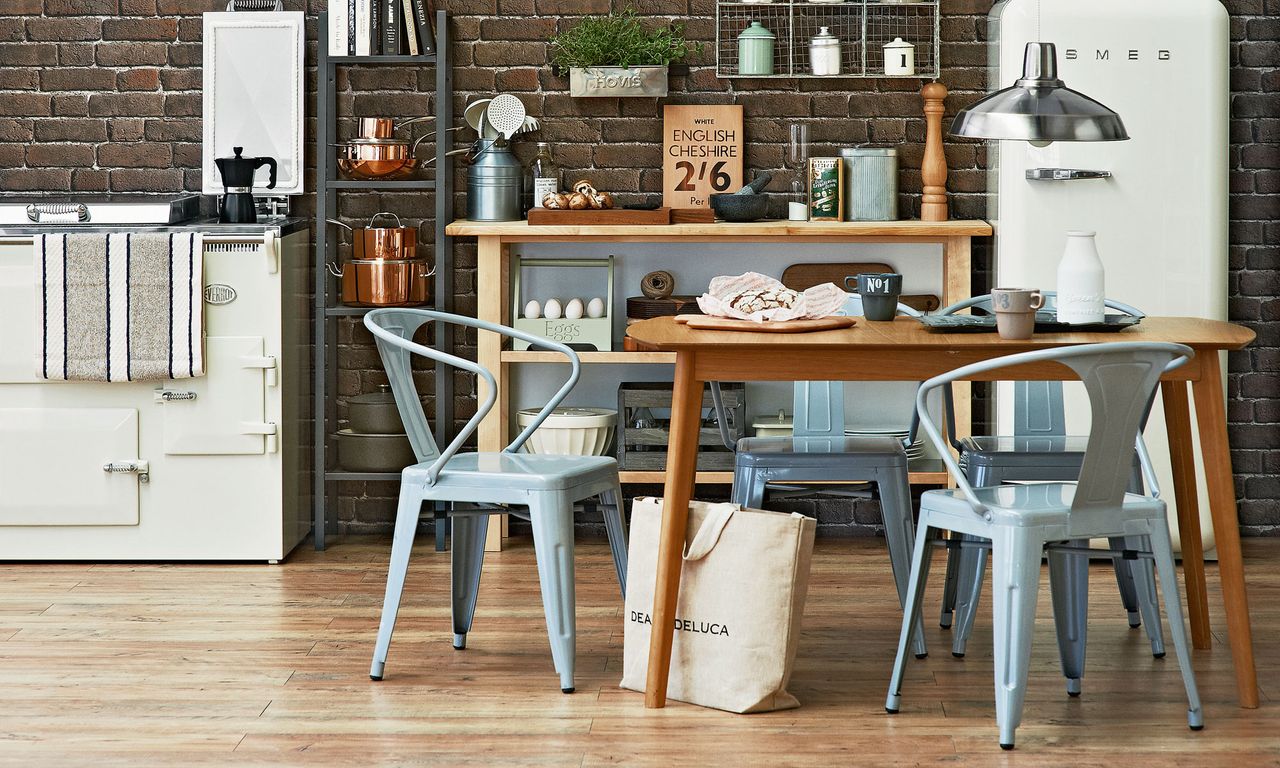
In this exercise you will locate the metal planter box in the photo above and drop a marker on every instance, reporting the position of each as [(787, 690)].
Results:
[(617, 82)]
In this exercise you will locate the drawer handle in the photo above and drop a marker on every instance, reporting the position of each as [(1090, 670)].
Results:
[(139, 467), (169, 396), (37, 210)]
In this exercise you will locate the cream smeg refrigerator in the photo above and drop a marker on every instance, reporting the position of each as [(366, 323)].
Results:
[(1161, 214)]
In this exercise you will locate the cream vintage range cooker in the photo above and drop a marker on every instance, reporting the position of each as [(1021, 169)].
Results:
[(208, 468)]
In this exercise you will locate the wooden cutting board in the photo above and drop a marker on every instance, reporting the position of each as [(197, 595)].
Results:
[(708, 323), (543, 217), (798, 277)]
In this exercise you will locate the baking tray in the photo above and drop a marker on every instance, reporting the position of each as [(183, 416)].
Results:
[(1046, 322)]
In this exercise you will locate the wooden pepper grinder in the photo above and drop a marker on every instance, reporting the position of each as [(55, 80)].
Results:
[(933, 171)]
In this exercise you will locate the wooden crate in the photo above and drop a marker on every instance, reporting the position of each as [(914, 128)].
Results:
[(645, 449)]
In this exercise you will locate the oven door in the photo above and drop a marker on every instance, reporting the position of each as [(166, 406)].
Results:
[(223, 411), (69, 466)]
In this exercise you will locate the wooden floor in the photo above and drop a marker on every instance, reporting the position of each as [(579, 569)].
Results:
[(130, 665)]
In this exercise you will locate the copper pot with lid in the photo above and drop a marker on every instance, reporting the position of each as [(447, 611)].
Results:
[(373, 242)]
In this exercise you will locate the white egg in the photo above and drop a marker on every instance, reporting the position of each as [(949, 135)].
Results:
[(551, 310), (532, 310), (595, 307), (573, 310)]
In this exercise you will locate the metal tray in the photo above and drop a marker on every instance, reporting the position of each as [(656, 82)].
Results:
[(1046, 322)]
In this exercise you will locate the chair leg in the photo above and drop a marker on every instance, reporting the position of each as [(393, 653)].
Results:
[(442, 526), (552, 517), (1143, 573), (467, 560), (1015, 578), (1125, 581), (406, 526), (971, 565), (616, 526), (748, 487), (972, 569), (910, 614), (949, 586), (1069, 588), (895, 510), (1162, 548)]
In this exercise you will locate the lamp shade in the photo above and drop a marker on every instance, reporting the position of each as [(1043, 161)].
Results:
[(1039, 108)]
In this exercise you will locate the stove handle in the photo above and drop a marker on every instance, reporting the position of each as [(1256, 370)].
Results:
[(266, 429), (36, 211)]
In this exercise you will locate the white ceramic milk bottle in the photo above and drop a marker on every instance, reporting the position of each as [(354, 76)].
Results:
[(1081, 283)]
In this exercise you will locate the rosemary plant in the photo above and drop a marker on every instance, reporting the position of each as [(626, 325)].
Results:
[(619, 40)]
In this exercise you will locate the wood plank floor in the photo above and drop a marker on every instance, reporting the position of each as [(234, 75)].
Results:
[(183, 665)]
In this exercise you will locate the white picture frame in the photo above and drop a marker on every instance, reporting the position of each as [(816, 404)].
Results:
[(254, 97)]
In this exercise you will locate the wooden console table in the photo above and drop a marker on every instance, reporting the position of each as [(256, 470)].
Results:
[(494, 302)]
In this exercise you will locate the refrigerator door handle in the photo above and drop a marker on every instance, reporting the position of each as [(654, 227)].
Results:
[(1064, 174)]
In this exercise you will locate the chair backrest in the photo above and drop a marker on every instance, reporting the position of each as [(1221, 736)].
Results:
[(818, 406), (1038, 409), (1120, 379), (393, 329)]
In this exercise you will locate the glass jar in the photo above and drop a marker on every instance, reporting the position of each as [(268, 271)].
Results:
[(824, 53)]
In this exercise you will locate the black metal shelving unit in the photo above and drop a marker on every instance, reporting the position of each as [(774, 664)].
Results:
[(328, 309)]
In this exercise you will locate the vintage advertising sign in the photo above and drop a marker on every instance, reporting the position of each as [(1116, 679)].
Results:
[(701, 153)]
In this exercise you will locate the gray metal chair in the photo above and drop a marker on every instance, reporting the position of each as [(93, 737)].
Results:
[(548, 486), (819, 450), (1022, 521), (1039, 450)]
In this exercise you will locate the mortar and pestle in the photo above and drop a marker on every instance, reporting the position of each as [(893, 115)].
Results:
[(747, 204)]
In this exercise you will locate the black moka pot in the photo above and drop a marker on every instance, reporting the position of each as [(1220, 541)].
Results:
[(237, 181)]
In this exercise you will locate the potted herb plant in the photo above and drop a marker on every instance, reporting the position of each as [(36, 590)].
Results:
[(616, 55)]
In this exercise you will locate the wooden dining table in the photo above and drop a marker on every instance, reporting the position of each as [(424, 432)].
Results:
[(904, 350)]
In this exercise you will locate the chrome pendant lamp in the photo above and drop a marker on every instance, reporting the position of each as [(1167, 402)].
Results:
[(1039, 108)]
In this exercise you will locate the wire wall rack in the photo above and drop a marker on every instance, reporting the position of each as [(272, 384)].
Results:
[(863, 27)]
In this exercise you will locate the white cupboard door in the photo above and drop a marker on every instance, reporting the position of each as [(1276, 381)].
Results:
[(254, 80), (228, 421), (52, 466)]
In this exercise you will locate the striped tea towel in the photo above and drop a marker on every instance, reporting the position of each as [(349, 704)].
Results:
[(119, 307)]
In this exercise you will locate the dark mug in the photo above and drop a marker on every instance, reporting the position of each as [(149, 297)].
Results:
[(880, 292)]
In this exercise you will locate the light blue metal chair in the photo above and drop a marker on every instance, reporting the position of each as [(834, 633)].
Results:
[(1022, 521), (819, 450), (548, 486), (1039, 450)]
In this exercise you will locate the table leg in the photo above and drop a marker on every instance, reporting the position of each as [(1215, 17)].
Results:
[(1177, 420), (682, 457), (491, 270), (1211, 417)]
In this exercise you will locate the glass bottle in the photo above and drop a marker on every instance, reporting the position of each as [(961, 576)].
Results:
[(1081, 281), (824, 53), (543, 174)]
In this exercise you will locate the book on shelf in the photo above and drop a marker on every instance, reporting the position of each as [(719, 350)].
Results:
[(381, 28), (424, 20), (410, 28), (391, 38), (364, 25)]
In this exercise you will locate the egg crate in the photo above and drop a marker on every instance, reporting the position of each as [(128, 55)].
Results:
[(584, 333)]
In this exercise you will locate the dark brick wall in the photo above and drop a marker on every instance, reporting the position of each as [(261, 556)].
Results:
[(102, 95)]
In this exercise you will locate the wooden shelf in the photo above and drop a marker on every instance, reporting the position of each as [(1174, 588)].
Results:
[(899, 231), (614, 358)]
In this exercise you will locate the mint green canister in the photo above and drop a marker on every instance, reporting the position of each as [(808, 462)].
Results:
[(755, 50)]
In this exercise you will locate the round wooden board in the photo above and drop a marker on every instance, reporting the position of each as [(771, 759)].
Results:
[(708, 323)]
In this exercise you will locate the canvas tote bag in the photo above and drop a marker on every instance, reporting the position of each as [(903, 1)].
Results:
[(742, 590)]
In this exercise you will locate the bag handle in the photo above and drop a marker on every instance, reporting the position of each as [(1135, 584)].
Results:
[(709, 532)]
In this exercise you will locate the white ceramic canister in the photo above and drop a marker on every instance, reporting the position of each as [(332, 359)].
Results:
[(899, 58), (1081, 281), (824, 53)]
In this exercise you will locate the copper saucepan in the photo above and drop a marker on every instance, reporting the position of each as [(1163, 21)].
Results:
[(373, 242), (386, 127), (384, 282)]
